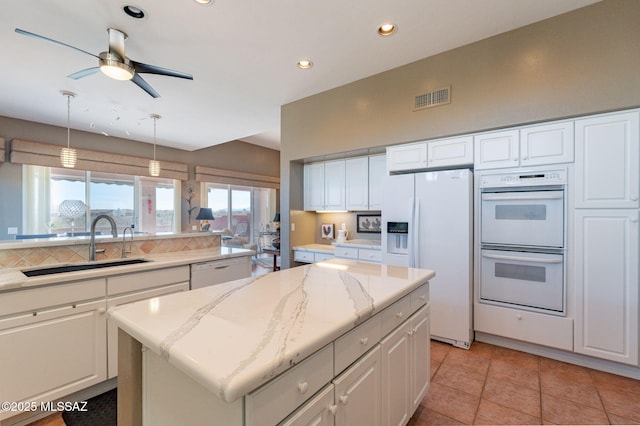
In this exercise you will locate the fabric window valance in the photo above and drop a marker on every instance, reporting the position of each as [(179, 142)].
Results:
[(43, 154), (209, 174)]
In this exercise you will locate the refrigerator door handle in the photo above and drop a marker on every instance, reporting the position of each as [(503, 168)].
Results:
[(415, 233)]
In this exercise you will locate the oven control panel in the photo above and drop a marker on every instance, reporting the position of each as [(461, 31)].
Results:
[(524, 178)]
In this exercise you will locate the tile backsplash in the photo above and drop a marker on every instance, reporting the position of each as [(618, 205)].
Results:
[(48, 255)]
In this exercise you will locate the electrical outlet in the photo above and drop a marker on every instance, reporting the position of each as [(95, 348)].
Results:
[(293, 227), (12, 230)]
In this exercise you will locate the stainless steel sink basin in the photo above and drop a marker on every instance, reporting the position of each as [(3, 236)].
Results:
[(81, 267)]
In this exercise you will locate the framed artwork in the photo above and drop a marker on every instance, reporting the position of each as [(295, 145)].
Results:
[(369, 223), (327, 231)]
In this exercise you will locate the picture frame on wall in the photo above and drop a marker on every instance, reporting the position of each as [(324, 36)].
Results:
[(371, 223), (327, 231)]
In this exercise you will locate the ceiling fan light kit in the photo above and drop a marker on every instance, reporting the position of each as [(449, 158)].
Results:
[(114, 67), (68, 155)]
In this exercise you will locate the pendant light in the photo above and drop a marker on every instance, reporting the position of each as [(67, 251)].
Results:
[(68, 155), (154, 166)]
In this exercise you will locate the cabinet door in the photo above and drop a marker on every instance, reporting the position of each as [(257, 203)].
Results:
[(450, 152), (608, 161), (357, 183), (606, 278), (496, 150), (334, 185), (358, 392), (407, 157), (420, 357), (396, 376), (318, 411), (314, 186), (377, 172), (547, 144), (53, 353), (112, 329)]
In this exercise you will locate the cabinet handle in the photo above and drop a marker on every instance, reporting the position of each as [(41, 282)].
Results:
[(525, 158), (519, 317), (364, 340), (333, 409), (398, 314), (303, 387), (634, 198), (344, 399), (634, 219), (515, 158), (101, 310), (409, 332)]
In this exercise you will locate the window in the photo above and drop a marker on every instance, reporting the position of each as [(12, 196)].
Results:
[(76, 197), (252, 209)]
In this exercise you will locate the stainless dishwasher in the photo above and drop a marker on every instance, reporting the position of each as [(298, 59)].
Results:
[(219, 271)]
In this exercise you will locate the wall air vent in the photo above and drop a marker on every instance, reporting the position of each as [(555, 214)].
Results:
[(435, 98)]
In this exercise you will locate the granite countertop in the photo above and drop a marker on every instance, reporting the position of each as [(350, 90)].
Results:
[(367, 244), (13, 278), (233, 337), (324, 248)]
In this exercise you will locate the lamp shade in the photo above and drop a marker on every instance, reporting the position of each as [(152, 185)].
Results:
[(205, 214), (276, 218)]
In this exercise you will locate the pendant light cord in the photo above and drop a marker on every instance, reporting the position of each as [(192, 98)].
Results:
[(155, 120), (68, 120)]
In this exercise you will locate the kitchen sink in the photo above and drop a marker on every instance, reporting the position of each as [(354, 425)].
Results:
[(81, 267)]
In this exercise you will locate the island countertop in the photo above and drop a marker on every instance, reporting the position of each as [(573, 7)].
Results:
[(233, 337)]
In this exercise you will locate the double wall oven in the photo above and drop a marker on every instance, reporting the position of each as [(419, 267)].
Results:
[(522, 240)]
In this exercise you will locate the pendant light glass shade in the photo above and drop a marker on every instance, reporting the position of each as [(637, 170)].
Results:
[(154, 166), (68, 155)]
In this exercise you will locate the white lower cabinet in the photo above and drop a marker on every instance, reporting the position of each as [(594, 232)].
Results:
[(405, 369), (358, 392), (606, 277), (318, 411), (50, 353)]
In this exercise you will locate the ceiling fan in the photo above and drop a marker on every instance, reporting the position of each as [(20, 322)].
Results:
[(115, 63)]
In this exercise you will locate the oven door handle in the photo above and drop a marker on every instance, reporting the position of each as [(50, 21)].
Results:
[(512, 196), (520, 258)]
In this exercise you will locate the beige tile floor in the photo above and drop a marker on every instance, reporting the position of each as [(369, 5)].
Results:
[(492, 385)]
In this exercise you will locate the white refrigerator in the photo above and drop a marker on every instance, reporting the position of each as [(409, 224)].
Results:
[(428, 223)]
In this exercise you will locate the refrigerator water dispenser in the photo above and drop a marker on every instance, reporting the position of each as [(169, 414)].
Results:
[(397, 237)]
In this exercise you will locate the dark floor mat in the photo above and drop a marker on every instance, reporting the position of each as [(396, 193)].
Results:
[(101, 410)]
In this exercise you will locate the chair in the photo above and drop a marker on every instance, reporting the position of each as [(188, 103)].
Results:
[(241, 229)]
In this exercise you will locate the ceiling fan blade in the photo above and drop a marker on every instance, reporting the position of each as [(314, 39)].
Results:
[(37, 36), (83, 73), (141, 83), (152, 69)]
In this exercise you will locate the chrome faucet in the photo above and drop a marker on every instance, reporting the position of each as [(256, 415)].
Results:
[(114, 232), (124, 234)]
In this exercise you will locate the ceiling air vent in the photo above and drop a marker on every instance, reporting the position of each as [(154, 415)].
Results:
[(436, 98)]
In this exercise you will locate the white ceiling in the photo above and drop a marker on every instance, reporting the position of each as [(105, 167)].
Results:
[(242, 54)]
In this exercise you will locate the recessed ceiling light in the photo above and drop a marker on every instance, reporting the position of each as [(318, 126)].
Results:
[(204, 2), (133, 11), (387, 29), (305, 64)]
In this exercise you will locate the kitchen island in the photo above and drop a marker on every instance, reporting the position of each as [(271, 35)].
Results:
[(256, 350)]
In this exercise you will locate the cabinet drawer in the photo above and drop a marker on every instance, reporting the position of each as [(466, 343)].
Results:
[(347, 252), (419, 297), (368, 255), (355, 343), (303, 256), (37, 298), (143, 280), (274, 401), (321, 257), (317, 411), (396, 314)]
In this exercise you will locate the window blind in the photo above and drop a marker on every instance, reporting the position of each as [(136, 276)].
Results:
[(43, 154), (209, 174)]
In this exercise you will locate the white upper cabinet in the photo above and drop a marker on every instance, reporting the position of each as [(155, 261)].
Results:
[(497, 150), (450, 152), (324, 185), (377, 171), (547, 144), (314, 186), (357, 182), (407, 157), (550, 143), (608, 161)]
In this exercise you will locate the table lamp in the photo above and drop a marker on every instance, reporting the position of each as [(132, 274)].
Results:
[(205, 215), (276, 221)]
